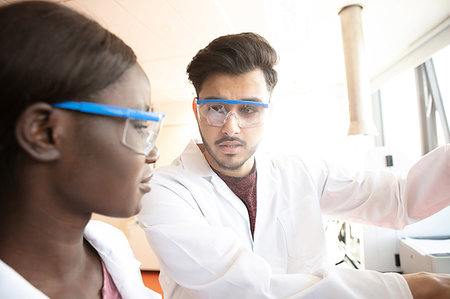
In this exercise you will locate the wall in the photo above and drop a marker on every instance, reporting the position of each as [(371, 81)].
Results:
[(178, 129)]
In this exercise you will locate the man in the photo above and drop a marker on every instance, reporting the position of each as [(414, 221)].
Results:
[(227, 221)]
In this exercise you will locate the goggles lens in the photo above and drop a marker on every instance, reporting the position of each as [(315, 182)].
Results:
[(247, 113), (140, 135), (141, 127)]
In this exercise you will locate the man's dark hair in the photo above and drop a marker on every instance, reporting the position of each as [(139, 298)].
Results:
[(51, 53), (234, 54)]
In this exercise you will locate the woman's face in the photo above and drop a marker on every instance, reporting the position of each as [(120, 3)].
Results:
[(101, 174)]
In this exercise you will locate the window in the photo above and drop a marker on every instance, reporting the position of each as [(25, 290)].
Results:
[(415, 105)]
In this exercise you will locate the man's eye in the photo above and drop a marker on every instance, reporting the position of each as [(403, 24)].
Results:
[(217, 108), (248, 109)]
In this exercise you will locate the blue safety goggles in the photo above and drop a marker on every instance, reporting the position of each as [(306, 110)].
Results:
[(94, 108), (198, 101), (141, 127), (216, 112)]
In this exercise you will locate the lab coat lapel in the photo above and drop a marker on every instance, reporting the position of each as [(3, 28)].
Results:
[(228, 195), (13, 285), (115, 253), (194, 161)]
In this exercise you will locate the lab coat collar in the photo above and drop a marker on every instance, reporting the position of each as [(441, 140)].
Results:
[(195, 162), (114, 250), (13, 285), (193, 159), (118, 259)]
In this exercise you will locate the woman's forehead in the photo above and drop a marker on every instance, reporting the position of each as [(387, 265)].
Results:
[(131, 90)]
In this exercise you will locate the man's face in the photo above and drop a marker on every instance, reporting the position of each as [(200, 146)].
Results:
[(230, 148)]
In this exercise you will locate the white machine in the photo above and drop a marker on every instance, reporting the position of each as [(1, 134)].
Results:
[(425, 254)]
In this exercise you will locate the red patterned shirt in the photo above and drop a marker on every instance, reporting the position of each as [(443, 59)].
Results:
[(245, 189)]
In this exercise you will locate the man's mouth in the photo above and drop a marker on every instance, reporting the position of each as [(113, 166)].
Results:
[(230, 146), (230, 142)]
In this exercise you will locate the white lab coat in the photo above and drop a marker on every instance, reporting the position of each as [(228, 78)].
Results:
[(199, 229), (114, 250)]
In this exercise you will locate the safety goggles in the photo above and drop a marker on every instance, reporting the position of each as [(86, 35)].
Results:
[(248, 114), (141, 127)]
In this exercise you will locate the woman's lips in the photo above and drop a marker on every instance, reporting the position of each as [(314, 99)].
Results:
[(147, 179), (144, 185)]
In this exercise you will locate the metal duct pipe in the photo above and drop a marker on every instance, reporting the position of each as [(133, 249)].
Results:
[(358, 88)]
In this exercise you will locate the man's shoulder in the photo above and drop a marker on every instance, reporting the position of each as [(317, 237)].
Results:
[(289, 164), (191, 163), (175, 176), (279, 159)]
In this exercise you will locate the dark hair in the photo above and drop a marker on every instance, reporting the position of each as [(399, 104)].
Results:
[(234, 54), (51, 53)]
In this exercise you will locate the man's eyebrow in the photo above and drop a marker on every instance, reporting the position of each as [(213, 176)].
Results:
[(250, 99), (214, 98)]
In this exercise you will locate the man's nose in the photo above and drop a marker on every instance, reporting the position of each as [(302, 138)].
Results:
[(231, 125)]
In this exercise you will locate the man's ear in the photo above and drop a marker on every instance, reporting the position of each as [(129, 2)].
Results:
[(35, 132), (194, 108)]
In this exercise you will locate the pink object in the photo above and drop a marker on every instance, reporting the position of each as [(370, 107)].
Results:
[(109, 290)]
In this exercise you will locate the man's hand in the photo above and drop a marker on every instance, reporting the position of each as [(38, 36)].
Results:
[(424, 285)]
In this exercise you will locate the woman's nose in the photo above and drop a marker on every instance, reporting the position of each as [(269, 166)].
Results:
[(153, 156)]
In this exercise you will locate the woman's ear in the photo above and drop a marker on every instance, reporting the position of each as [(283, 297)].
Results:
[(35, 129)]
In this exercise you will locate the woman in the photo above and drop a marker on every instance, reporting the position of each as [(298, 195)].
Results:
[(75, 138)]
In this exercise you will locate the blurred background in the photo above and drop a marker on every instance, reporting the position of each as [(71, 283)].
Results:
[(311, 103)]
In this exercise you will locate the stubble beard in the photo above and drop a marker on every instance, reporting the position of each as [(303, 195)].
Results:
[(229, 165)]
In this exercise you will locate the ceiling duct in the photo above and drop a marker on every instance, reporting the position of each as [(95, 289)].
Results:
[(358, 86)]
